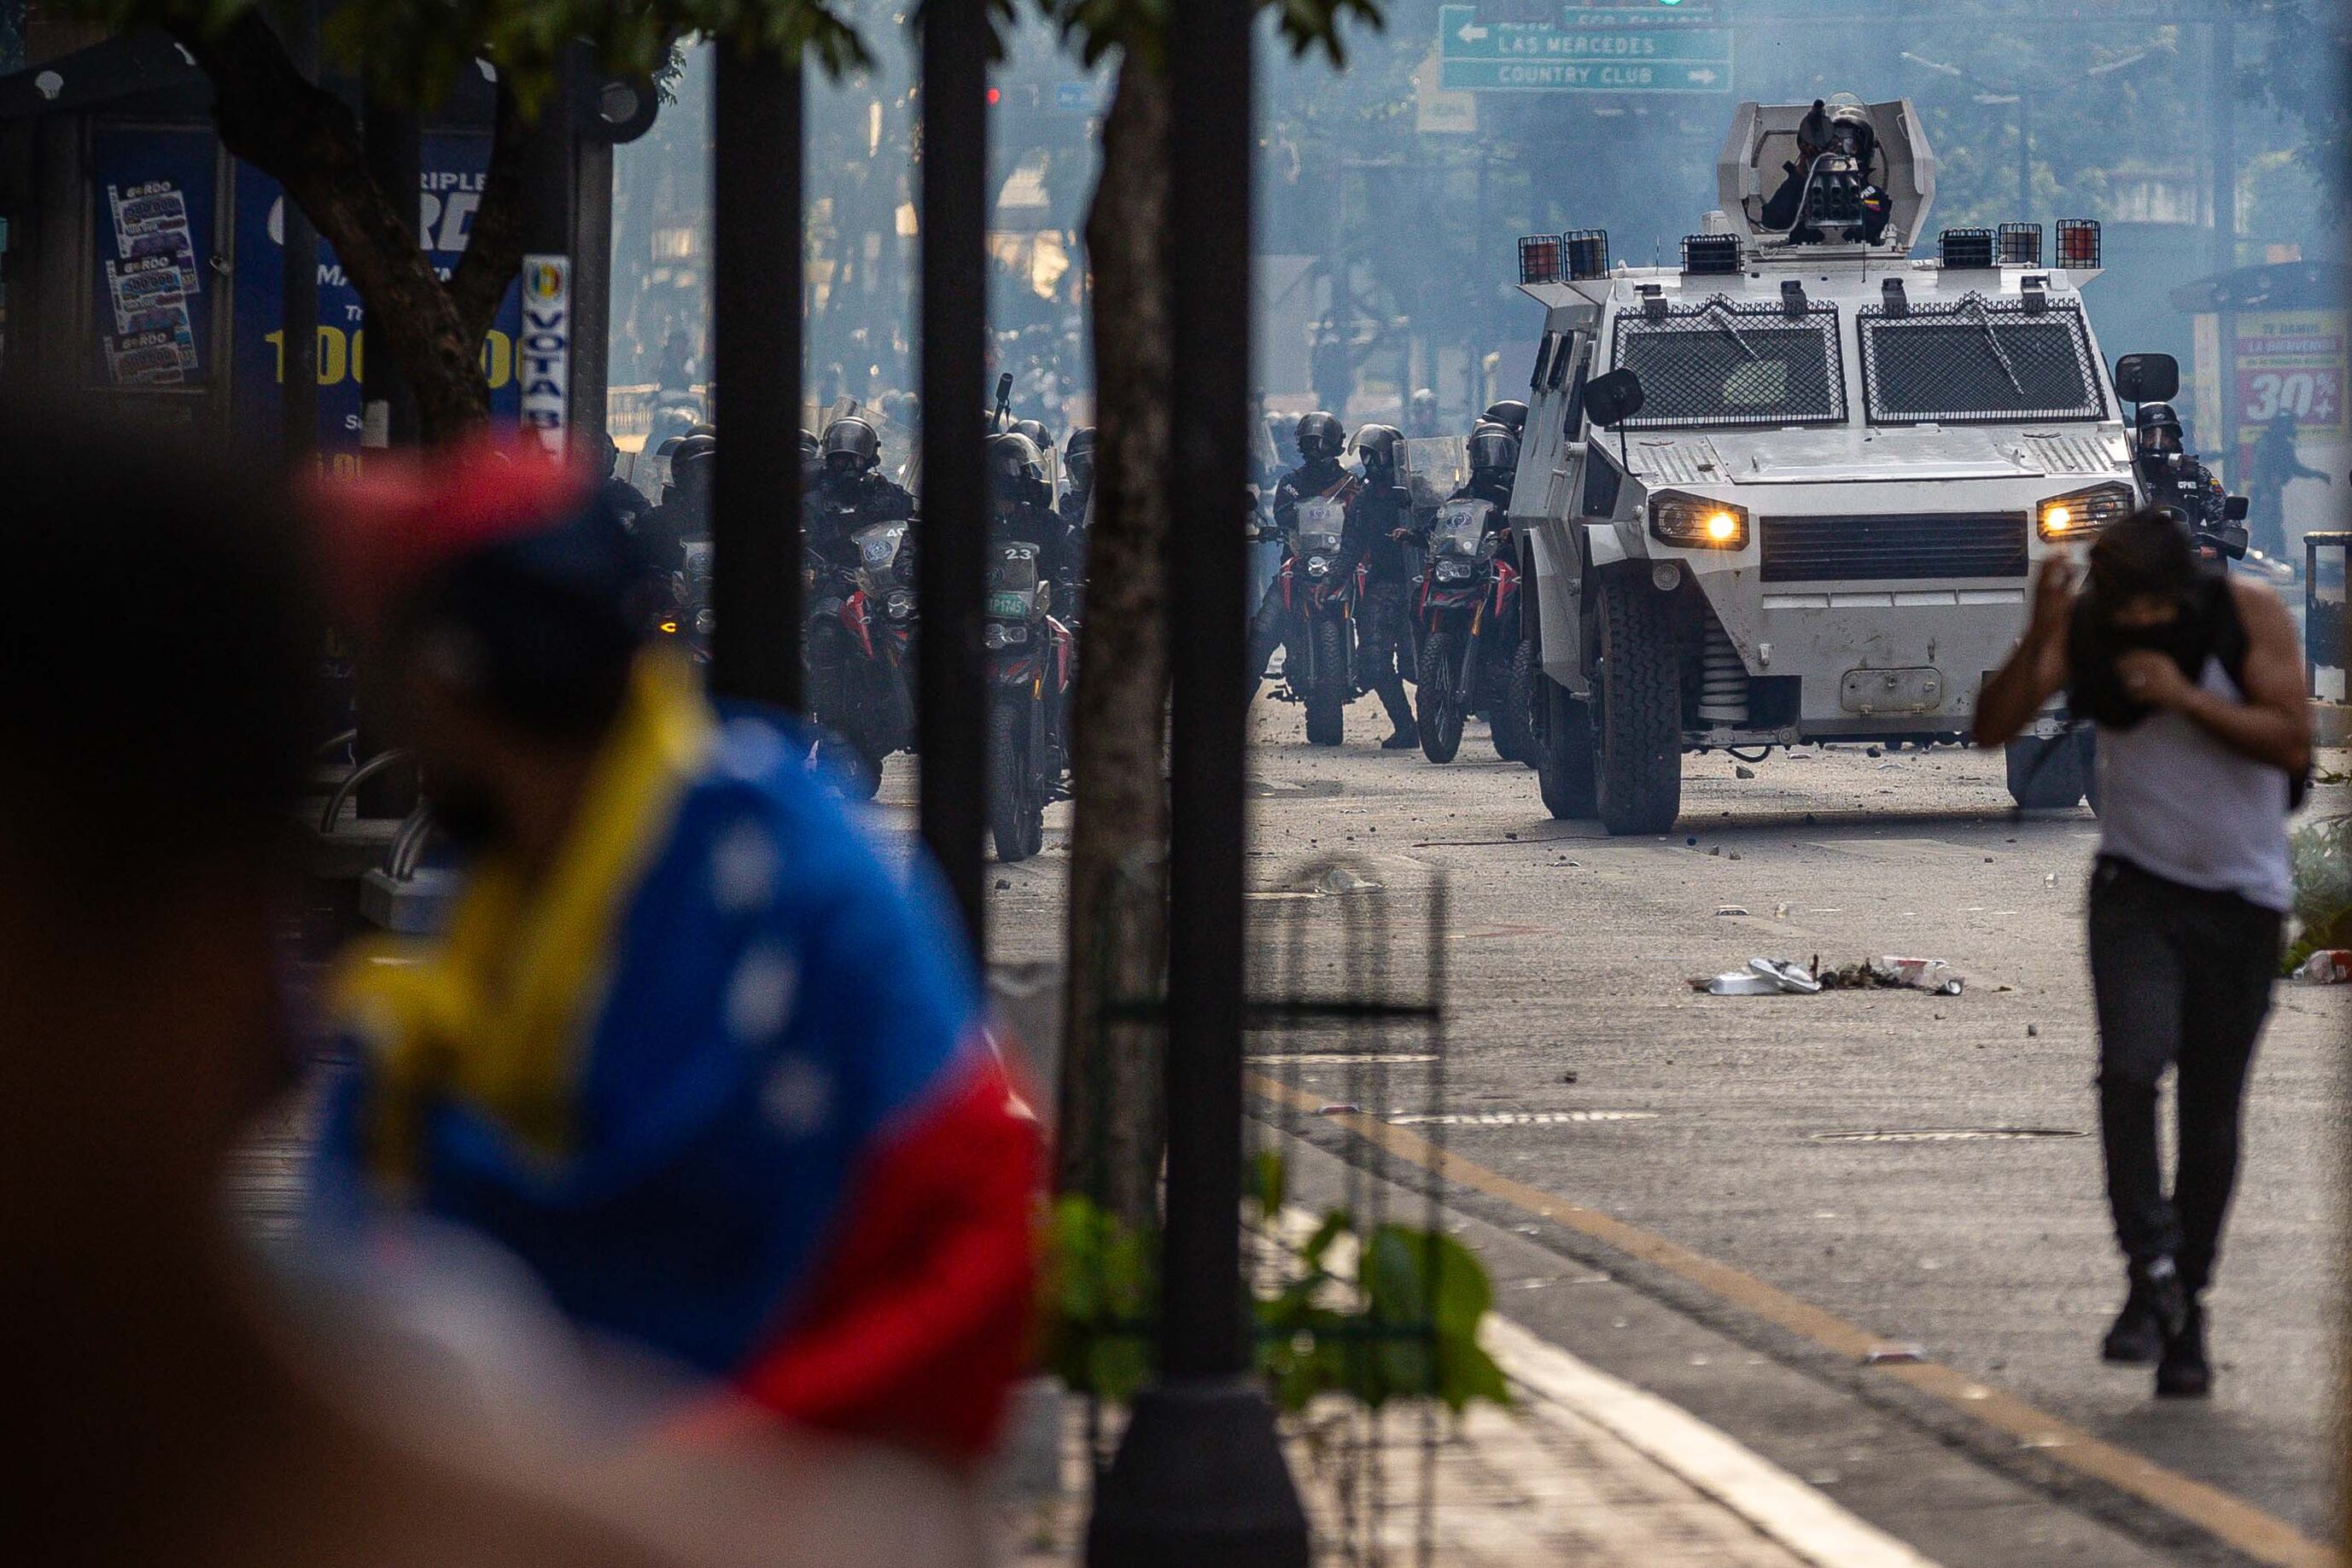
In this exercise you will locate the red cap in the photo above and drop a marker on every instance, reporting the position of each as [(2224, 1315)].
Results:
[(407, 515)]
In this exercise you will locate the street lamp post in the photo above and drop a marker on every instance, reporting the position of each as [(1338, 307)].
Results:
[(1200, 1478)]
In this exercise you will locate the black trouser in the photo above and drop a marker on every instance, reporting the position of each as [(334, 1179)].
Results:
[(1382, 648), (2183, 978), (1267, 628)]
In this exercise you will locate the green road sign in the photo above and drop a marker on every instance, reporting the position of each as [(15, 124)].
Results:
[(1619, 51)]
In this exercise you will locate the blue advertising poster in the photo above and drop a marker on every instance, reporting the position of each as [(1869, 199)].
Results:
[(451, 190), (156, 198)]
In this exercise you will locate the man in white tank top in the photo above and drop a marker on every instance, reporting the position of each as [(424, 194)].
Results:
[(2196, 684)]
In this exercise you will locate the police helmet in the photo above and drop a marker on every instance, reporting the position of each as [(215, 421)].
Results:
[(1319, 437), (2153, 423), (691, 457), (853, 441), (1511, 413), (1079, 455), (1494, 450), (1376, 445), (1039, 437), (1013, 464)]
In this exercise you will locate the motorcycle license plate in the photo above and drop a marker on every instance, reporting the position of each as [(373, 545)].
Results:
[(1013, 606)]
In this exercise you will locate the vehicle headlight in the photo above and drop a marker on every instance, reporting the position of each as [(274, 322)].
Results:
[(1316, 566), (1001, 634), (898, 604), (1452, 571), (704, 620), (2081, 514), (1693, 522)]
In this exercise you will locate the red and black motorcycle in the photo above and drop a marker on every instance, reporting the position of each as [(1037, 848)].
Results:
[(1467, 609), (859, 647), (1319, 593)]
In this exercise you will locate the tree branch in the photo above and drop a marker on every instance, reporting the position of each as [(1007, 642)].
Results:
[(275, 118), (494, 247)]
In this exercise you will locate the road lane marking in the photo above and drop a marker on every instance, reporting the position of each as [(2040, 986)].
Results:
[(2232, 1520)]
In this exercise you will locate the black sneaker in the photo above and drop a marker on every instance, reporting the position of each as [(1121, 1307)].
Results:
[(1403, 740), (2153, 1311), (2184, 1373)]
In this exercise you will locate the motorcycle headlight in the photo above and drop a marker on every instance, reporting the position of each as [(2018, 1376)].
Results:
[(704, 620), (1452, 571), (1316, 566), (1693, 522), (898, 604), (2081, 514), (999, 634)]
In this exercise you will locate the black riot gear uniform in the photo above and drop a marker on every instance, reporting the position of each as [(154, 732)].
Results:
[(1830, 185), (684, 515), (849, 493), (2173, 477), (1381, 535), (1023, 507)]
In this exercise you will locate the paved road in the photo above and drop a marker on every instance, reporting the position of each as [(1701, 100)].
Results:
[(1570, 955)]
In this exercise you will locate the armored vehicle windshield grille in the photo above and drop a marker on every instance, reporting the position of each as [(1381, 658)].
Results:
[(1977, 361), (1878, 549), (1717, 365)]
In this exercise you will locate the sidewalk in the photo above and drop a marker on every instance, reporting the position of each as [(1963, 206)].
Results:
[(1585, 1469)]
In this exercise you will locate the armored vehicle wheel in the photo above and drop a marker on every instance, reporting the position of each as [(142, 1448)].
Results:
[(2045, 775), (1437, 705), (1564, 759), (1326, 699), (1523, 701), (1638, 777), (1016, 806)]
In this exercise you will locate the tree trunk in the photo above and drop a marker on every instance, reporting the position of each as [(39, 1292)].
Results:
[(1110, 1115), (308, 140)]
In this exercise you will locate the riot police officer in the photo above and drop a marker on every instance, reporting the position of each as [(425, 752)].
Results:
[(1319, 476), (1021, 505), (850, 493), (1511, 413), (1831, 179), (2173, 477), (684, 515), (629, 502), (1493, 454), (1381, 535)]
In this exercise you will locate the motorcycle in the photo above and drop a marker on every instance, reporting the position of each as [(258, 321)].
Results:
[(1467, 611), (1318, 600), (687, 618), (1030, 656), (859, 647)]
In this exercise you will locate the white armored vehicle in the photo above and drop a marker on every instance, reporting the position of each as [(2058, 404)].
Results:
[(1795, 489)]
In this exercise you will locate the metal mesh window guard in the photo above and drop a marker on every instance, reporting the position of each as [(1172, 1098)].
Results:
[(1977, 361), (1718, 364)]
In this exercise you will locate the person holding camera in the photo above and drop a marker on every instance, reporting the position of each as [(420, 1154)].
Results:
[(2196, 684)]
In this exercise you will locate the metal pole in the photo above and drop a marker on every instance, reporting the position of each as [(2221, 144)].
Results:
[(756, 331), (2024, 157), (2221, 122), (1200, 1478), (298, 322), (952, 696), (546, 160)]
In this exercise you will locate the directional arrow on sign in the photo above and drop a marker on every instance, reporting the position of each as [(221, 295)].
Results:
[(1703, 77), (1471, 33)]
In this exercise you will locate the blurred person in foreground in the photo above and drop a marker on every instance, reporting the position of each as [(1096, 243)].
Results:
[(685, 1049), (2195, 681), (152, 750)]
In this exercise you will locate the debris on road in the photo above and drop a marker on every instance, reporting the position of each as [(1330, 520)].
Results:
[(1743, 773), (1339, 879), (1731, 909), (2328, 967), (1762, 978), (1894, 1354), (2033, 1031), (1932, 975)]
